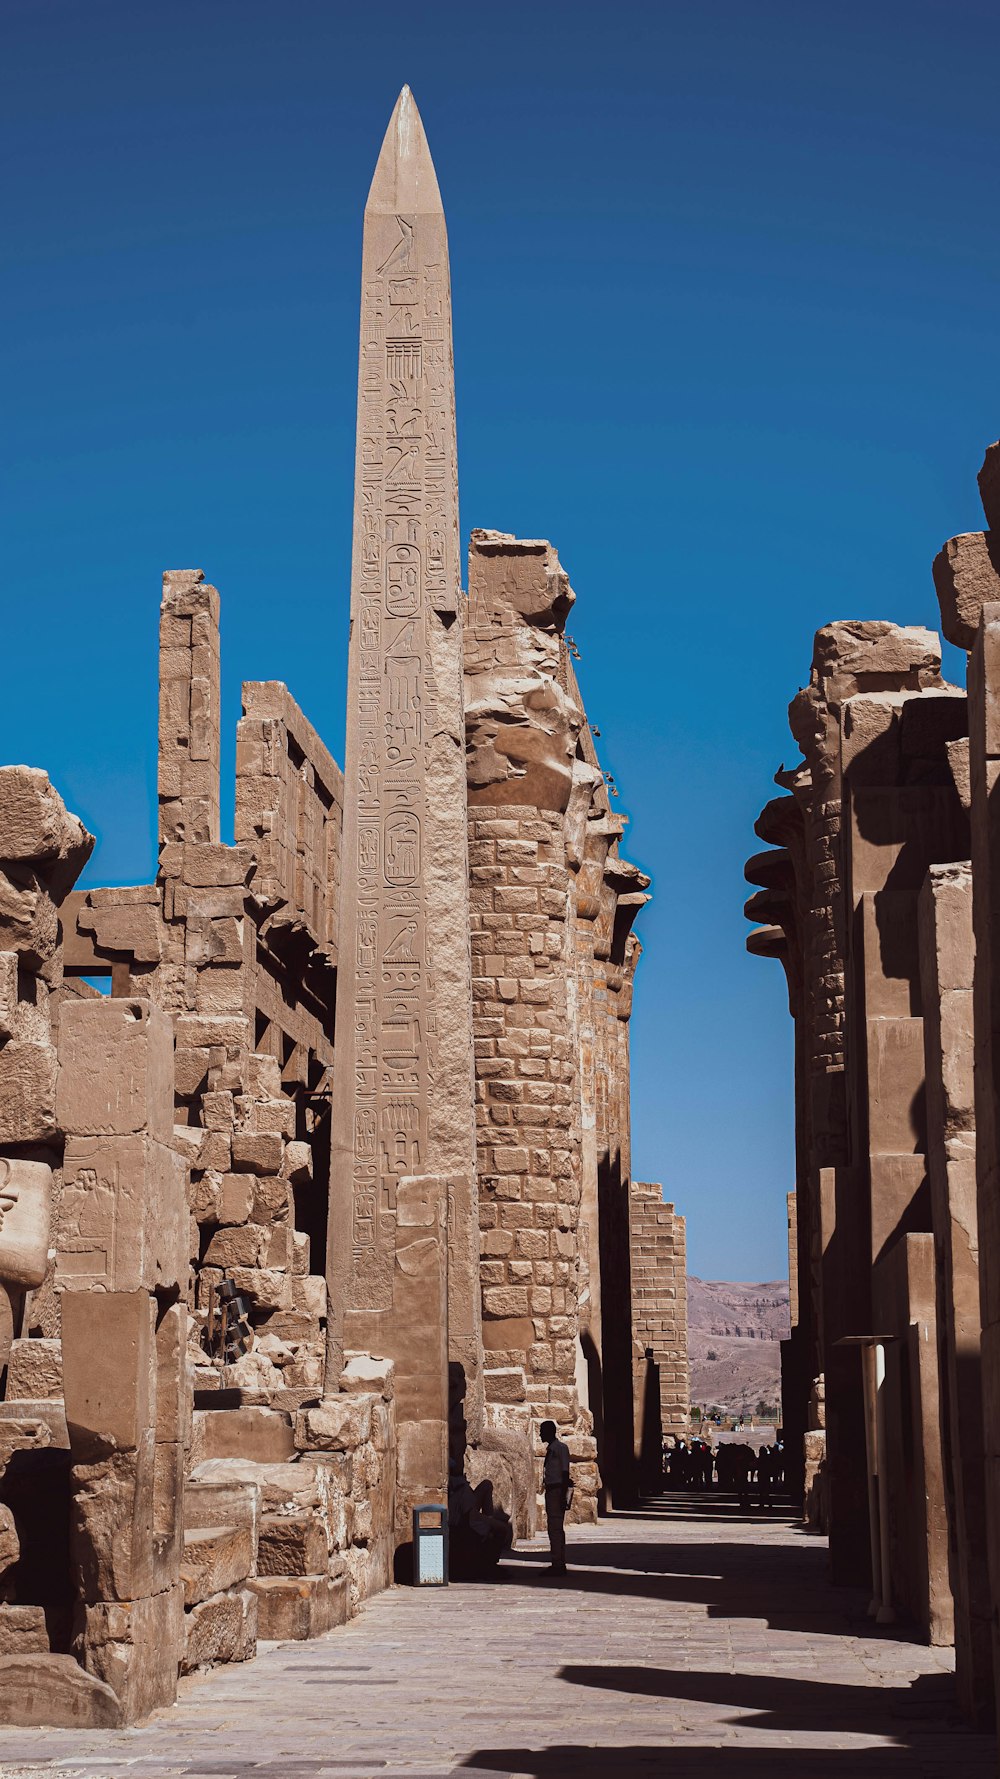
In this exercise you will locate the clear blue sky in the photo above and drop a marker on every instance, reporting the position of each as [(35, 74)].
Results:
[(726, 308)]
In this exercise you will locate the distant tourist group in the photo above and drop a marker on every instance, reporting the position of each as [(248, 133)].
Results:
[(735, 1468)]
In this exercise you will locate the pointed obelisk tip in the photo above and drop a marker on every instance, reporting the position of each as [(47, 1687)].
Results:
[(405, 179)]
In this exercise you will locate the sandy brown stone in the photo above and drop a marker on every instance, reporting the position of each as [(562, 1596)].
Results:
[(53, 1690), (291, 1608)]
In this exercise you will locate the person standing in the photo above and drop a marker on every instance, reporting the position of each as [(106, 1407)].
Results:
[(555, 1480)]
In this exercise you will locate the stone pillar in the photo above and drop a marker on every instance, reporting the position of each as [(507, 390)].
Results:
[(947, 957), (659, 1303), (984, 762), (188, 775), (403, 993), (122, 1271)]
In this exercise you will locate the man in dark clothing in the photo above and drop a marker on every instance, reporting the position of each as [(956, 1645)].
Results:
[(555, 1479)]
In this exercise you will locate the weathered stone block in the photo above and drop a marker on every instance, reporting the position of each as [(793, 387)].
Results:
[(34, 1370), (111, 1525), (135, 1647), (221, 1629), (338, 1424), (23, 1631), (122, 1215), (116, 1069), (363, 1373), (263, 1435), (291, 1545), (215, 1559), (27, 1093), (109, 1371), (294, 1608)]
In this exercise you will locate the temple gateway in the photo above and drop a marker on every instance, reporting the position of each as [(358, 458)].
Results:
[(315, 1183)]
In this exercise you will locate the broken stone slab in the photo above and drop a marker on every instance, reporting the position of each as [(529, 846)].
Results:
[(223, 1628), (291, 1544), (216, 1558), (261, 1434), (39, 1691), (292, 1609)]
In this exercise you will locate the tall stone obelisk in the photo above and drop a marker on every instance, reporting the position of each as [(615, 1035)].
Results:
[(403, 1101)]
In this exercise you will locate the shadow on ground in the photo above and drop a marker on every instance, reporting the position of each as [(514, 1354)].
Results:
[(789, 1592)]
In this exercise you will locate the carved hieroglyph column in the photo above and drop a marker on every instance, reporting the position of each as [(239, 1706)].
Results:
[(403, 1091)]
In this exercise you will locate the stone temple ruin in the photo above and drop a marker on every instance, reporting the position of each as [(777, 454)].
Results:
[(314, 1152), (879, 894)]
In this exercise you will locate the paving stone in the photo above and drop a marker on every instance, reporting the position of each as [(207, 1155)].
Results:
[(677, 1645)]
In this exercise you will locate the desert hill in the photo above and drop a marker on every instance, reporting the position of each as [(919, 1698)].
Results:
[(734, 1332)]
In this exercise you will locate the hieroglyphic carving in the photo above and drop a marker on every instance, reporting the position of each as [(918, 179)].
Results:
[(405, 567)]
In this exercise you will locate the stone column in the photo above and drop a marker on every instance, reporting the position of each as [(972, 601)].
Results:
[(404, 1040), (122, 1270), (947, 957)]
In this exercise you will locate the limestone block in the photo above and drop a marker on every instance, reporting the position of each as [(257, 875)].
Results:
[(53, 1691), (123, 1217), (215, 1559), (28, 1074), (291, 1545), (295, 1608), (339, 1424), (221, 1629), (116, 1069), (135, 1647), (109, 1371), (372, 1376), (23, 1630), (263, 1435), (34, 1369)]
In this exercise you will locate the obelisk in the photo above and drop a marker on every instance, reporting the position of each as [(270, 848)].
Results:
[(403, 1101)]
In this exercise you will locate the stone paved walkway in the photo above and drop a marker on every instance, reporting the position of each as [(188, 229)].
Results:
[(686, 1642)]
